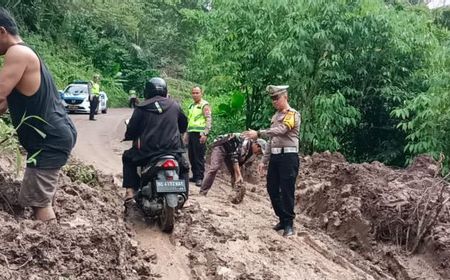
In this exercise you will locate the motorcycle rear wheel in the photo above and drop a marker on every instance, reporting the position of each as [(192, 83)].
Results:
[(167, 218)]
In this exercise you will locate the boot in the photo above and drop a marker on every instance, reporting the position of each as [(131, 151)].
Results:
[(288, 231)]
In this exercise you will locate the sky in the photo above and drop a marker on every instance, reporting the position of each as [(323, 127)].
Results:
[(437, 3)]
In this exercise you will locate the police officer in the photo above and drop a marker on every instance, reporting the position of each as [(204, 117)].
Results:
[(94, 96), (282, 157), (199, 126), (133, 100)]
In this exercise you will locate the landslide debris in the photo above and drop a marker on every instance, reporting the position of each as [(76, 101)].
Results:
[(385, 214), (90, 240)]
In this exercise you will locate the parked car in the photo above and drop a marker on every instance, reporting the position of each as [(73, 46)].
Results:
[(76, 98)]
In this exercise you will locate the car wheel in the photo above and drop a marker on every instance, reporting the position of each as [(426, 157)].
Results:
[(104, 111)]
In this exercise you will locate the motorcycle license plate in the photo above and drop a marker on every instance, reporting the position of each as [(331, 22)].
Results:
[(170, 186)]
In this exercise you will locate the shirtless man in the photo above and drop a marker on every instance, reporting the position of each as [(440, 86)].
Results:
[(48, 135)]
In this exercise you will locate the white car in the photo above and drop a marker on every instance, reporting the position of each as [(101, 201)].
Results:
[(76, 99)]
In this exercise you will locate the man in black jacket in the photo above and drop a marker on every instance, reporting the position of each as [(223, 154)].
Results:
[(155, 129)]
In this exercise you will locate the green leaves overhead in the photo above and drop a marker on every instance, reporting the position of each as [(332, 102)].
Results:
[(349, 64)]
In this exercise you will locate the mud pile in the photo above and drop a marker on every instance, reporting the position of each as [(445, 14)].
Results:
[(367, 205), (90, 240)]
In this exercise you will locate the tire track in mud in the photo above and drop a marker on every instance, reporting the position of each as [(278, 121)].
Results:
[(215, 239), (99, 144)]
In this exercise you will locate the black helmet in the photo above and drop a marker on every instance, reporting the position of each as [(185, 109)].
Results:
[(155, 86)]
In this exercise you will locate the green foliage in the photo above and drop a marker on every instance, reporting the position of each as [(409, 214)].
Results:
[(229, 114), (78, 38), (79, 172), (9, 142), (369, 77), (426, 118), (442, 17), (349, 64), (180, 90)]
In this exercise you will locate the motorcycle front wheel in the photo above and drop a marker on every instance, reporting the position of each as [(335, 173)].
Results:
[(167, 218)]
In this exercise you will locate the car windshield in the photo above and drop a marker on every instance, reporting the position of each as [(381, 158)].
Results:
[(76, 89)]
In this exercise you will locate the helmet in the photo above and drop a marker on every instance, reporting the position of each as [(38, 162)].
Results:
[(155, 86)]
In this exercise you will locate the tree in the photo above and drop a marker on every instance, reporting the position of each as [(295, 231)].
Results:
[(349, 64)]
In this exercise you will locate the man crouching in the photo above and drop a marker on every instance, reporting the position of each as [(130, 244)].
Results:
[(233, 150)]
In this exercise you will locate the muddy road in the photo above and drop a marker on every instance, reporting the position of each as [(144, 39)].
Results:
[(354, 221), (99, 143), (214, 239)]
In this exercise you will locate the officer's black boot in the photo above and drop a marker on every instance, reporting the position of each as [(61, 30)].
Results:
[(278, 226), (198, 182), (288, 231)]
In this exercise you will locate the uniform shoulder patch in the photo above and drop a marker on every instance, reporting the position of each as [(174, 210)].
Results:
[(207, 110), (289, 119)]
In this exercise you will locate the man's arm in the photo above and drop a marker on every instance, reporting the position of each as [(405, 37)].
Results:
[(207, 114), (182, 122), (11, 73), (290, 120), (133, 127), (237, 173)]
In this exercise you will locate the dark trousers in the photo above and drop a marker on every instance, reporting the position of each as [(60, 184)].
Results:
[(281, 175), (196, 155), (129, 165), (218, 157), (93, 103)]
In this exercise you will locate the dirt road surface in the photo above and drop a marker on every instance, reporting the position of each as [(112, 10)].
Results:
[(214, 239), (99, 143)]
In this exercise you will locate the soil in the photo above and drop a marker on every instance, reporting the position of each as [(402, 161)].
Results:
[(90, 240), (354, 221), (384, 214)]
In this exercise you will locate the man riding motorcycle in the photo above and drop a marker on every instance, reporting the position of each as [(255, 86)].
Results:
[(155, 129)]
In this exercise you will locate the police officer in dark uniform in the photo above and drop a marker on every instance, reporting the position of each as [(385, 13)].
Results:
[(281, 157)]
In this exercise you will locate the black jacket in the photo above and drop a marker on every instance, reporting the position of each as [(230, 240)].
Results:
[(156, 127)]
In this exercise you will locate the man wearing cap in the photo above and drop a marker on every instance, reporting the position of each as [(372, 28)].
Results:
[(94, 95), (235, 151), (133, 100), (281, 157)]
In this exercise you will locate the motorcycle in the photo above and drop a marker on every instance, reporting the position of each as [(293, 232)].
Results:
[(161, 191)]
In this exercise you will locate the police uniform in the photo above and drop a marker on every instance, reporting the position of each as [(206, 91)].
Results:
[(93, 99), (281, 155), (199, 123)]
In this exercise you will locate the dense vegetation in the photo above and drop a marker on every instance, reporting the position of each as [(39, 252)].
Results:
[(370, 77)]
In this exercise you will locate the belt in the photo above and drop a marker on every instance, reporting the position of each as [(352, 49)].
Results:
[(285, 150)]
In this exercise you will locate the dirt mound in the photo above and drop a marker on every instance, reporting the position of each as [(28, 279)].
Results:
[(90, 241), (361, 204)]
